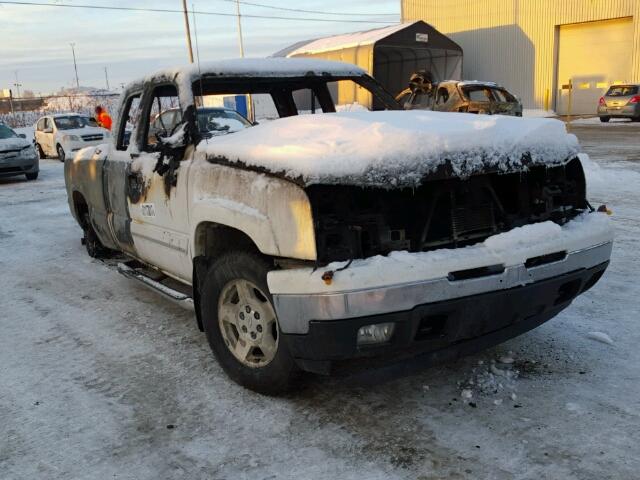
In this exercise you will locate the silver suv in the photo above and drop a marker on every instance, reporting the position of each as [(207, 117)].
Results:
[(620, 101)]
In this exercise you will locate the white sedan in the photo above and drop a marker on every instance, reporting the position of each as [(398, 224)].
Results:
[(60, 135)]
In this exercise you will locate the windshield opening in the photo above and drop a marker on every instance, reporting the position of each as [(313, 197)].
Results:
[(71, 122), (6, 132)]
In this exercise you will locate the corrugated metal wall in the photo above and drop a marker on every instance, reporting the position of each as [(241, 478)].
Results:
[(514, 42)]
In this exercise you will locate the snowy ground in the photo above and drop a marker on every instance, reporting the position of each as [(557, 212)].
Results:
[(100, 378)]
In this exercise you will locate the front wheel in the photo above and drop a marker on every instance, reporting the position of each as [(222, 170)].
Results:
[(242, 326), (31, 176), (61, 154), (605, 119), (92, 243)]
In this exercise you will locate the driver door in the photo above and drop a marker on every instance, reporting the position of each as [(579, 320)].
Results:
[(159, 221)]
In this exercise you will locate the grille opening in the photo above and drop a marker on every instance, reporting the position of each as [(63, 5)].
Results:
[(567, 291), (431, 327), (475, 272), (544, 259), (442, 212), (592, 281)]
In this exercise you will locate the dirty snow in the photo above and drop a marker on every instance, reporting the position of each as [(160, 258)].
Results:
[(102, 379), (391, 148)]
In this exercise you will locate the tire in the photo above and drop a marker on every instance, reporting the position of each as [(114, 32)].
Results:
[(635, 119), (229, 286), (31, 176), (92, 243), (605, 119), (61, 154), (40, 151)]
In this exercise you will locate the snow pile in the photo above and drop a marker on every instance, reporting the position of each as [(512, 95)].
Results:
[(600, 337), (393, 148), (509, 248), (538, 113)]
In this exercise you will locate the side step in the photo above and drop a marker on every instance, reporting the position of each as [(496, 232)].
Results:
[(141, 274)]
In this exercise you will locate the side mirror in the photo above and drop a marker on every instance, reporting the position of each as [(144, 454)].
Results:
[(22, 135)]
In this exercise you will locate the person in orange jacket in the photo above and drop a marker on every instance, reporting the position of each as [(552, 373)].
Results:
[(103, 118)]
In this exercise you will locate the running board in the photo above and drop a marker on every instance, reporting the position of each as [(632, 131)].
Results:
[(172, 294)]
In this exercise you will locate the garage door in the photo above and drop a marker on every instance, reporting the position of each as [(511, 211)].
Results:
[(591, 56)]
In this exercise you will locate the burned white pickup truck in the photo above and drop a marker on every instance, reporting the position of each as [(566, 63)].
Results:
[(316, 238)]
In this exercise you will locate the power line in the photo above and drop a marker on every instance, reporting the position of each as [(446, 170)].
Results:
[(299, 10), (168, 10)]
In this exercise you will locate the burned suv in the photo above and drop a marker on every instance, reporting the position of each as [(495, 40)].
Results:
[(317, 238), (462, 96)]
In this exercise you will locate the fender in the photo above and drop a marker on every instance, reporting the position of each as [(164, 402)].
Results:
[(273, 212)]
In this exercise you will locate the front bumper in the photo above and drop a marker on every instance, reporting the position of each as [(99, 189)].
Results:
[(13, 166), (73, 147), (448, 329), (536, 271)]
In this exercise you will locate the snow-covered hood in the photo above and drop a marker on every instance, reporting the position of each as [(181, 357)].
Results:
[(83, 131), (393, 148), (18, 143)]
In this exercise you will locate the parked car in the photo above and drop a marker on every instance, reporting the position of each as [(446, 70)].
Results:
[(64, 134), (620, 101), (462, 96), (17, 155), (315, 239)]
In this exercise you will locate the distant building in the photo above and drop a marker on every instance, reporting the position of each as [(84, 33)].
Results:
[(537, 47)]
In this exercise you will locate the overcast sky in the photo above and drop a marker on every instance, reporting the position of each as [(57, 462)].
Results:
[(34, 40)]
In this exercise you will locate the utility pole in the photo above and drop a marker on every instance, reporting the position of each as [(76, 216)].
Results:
[(186, 26), (75, 65), (240, 29), (250, 109), (17, 84), (106, 77)]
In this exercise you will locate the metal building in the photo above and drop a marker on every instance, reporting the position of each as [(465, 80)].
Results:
[(537, 47), (390, 54)]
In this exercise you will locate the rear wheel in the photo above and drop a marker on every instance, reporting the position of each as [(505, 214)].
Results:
[(242, 326), (31, 176), (605, 119), (635, 119), (61, 154)]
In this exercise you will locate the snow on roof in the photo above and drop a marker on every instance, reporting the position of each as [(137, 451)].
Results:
[(262, 67), (347, 40), (393, 148)]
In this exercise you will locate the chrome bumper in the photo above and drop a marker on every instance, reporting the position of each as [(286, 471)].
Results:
[(295, 311)]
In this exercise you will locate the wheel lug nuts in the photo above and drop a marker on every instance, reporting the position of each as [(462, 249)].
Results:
[(247, 309), (256, 315), (259, 328), (253, 335)]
